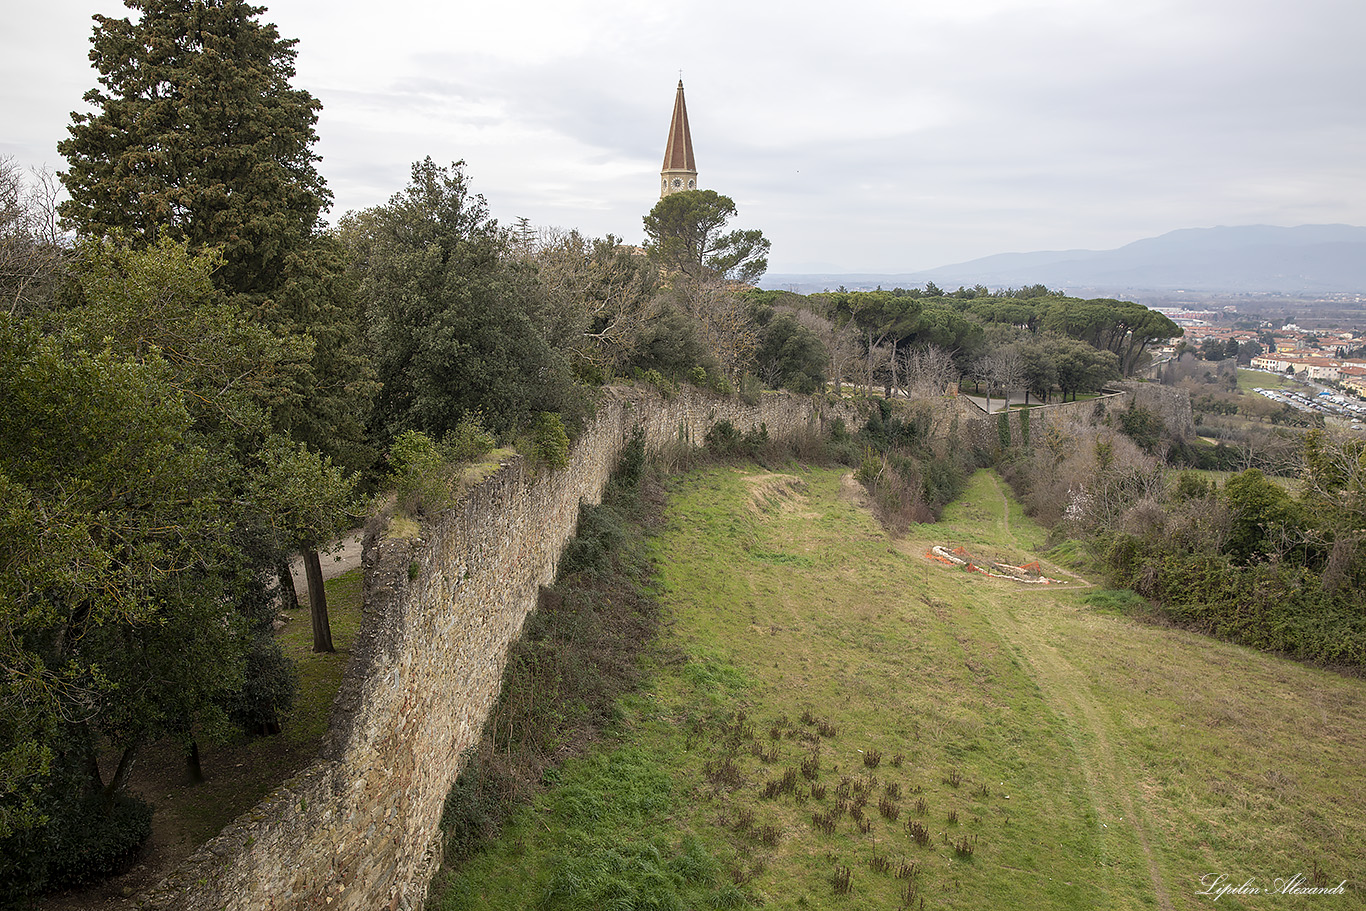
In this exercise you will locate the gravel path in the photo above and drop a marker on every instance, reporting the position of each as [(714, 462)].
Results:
[(342, 556)]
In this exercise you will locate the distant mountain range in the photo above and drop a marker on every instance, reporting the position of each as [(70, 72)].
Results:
[(1310, 259)]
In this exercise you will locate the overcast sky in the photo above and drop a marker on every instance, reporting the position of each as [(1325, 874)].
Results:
[(860, 136)]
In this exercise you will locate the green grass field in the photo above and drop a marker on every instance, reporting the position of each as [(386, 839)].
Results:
[(834, 721), (1249, 380)]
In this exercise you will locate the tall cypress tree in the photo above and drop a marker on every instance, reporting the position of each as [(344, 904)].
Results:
[(198, 134)]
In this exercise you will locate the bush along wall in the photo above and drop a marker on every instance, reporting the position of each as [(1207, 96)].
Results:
[(1247, 561), (910, 473), (1272, 605)]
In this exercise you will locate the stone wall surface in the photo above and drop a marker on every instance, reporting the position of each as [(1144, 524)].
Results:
[(1171, 404), (1026, 424), (358, 829)]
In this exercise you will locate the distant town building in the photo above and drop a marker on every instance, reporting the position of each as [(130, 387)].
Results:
[(1355, 381), (1185, 317), (1325, 369), (680, 168)]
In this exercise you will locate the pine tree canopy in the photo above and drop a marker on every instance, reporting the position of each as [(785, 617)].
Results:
[(198, 134)]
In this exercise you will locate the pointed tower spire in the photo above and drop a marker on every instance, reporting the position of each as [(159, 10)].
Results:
[(680, 170)]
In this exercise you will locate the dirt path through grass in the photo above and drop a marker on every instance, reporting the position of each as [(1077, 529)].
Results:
[(1005, 508), (1068, 692), (1026, 623)]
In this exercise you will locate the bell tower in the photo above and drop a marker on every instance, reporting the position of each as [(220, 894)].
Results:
[(680, 169)]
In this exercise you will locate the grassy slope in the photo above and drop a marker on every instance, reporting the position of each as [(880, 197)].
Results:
[(1104, 763)]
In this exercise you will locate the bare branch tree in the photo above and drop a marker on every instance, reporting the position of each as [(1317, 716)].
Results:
[(725, 326), (929, 371), (31, 246), (1008, 370), (878, 361), (596, 295), (984, 371), (840, 342)]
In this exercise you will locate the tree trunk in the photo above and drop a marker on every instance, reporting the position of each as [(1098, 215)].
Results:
[(317, 602), (92, 759), (192, 764), (289, 595), (122, 773), (892, 384)]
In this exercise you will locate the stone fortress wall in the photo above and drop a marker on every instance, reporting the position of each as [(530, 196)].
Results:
[(358, 829), (1021, 426)]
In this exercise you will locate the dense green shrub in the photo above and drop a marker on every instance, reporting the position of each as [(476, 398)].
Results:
[(725, 441), (669, 345), (840, 446), (1264, 516), (271, 684), (1143, 426), (790, 355), (1192, 486), (600, 533), (426, 473), (652, 377), (476, 805), (102, 843), (86, 842), (718, 382), (945, 479), (468, 440), (722, 438), (549, 441), (888, 427), (588, 373), (908, 479), (623, 488), (750, 390), (907, 489), (1270, 605), (419, 472)]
